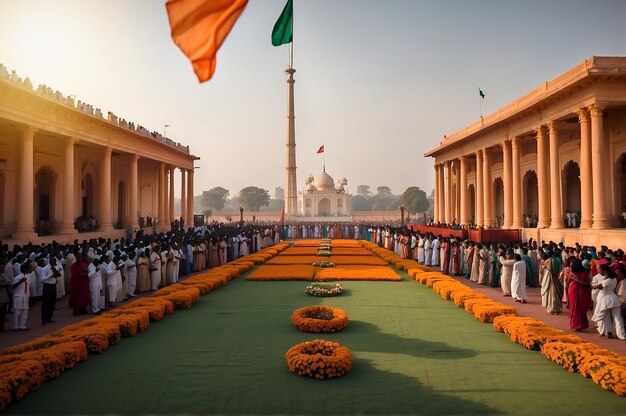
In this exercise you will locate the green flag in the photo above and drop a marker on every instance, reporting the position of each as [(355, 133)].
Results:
[(283, 29)]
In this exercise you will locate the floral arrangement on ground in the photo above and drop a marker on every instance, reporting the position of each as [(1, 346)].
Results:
[(320, 318), (324, 289), (319, 359), (338, 260), (357, 272), (323, 264), (287, 272)]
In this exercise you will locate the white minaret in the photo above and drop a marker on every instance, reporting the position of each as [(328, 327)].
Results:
[(291, 189)]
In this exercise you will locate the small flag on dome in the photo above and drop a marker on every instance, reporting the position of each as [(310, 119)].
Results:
[(481, 93), (321, 149)]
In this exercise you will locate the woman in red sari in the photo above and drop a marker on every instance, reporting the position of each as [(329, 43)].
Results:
[(79, 298), (578, 289)]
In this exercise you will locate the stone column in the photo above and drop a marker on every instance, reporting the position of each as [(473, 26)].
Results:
[(183, 195), (437, 202), (586, 188), (171, 215), (25, 218), (556, 210), (161, 199), (599, 161), (190, 198), (543, 180), (106, 221), (516, 155), (464, 203), (457, 197), (507, 183), (480, 213), (67, 223), (133, 211), (448, 203), (488, 200), (442, 195)]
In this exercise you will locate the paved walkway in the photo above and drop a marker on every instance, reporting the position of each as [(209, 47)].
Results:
[(534, 309)]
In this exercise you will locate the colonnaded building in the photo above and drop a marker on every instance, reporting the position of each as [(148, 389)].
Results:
[(552, 163), (64, 166)]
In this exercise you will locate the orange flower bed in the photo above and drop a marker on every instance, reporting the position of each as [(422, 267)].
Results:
[(459, 297), (345, 243), (55, 359), (319, 318), (445, 288), (129, 321), (338, 260), (290, 272), (183, 299), (300, 251), (486, 312), (308, 243), (531, 333), (350, 251), (18, 378), (353, 272), (319, 359)]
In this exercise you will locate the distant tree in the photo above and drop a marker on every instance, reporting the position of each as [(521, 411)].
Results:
[(392, 204), (229, 218), (384, 191), (252, 198), (279, 193), (415, 200), (361, 203), (215, 198), (275, 205), (208, 212), (363, 190)]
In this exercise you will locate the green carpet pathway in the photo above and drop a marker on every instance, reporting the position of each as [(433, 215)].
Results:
[(413, 353)]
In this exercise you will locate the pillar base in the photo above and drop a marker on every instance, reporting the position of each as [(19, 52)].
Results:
[(556, 226), (105, 227), (601, 224), (517, 226), (25, 235), (586, 224), (68, 229)]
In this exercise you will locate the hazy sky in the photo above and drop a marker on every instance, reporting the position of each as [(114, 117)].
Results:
[(377, 82)]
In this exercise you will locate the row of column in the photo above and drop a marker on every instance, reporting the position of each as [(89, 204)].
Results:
[(25, 214), (595, 196)]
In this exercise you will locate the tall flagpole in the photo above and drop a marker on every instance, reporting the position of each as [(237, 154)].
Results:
[(480, 103)]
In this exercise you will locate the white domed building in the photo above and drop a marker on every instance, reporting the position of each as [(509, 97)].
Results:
[(323, 197)]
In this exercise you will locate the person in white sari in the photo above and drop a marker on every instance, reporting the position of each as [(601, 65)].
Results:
[(607, 314)]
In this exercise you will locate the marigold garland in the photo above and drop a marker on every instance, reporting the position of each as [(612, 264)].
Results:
[(320, 318), (355, 272), (319, 359)]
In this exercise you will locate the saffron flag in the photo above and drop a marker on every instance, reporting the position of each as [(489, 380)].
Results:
[(482, 94), (282, 216), (321, 149), (283, 28), (199, 27)]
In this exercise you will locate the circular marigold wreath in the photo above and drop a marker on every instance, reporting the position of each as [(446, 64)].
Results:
[(320, 319), (319, 359)]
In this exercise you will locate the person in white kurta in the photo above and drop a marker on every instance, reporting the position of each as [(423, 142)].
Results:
[(64, 280), (111, 280), (506, 273), (518, 280), (607, 314), (155, 269), (95, 286), (131, 275), (21, 294), (436, 254), (428, 252), (420, 249)]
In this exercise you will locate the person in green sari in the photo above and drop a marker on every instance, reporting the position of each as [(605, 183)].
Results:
[(530, 275), (494, 267), (551, 286)]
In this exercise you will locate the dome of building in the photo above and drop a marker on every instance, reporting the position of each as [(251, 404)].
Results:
[(324, 182), (308, 179), (339, 187), (343, 181), (310, 187)]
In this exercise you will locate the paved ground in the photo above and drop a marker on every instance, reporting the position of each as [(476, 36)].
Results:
[(63, 316)]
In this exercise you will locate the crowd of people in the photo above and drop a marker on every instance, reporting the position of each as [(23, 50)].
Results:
[(582, 278), (97, 274)]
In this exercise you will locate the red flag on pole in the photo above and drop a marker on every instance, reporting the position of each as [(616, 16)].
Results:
[(199, 28), (321, 149), (282, 216)]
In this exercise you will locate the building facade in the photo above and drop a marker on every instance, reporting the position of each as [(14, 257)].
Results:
[(552, 163), (64, 166), (321, 197)]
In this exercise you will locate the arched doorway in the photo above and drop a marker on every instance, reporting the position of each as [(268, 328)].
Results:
[(121, 205), (86, 186), (498, 201), (323, 208), (621, 183), (44, 198), (471, 192), (571, 194), (530, 199)]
